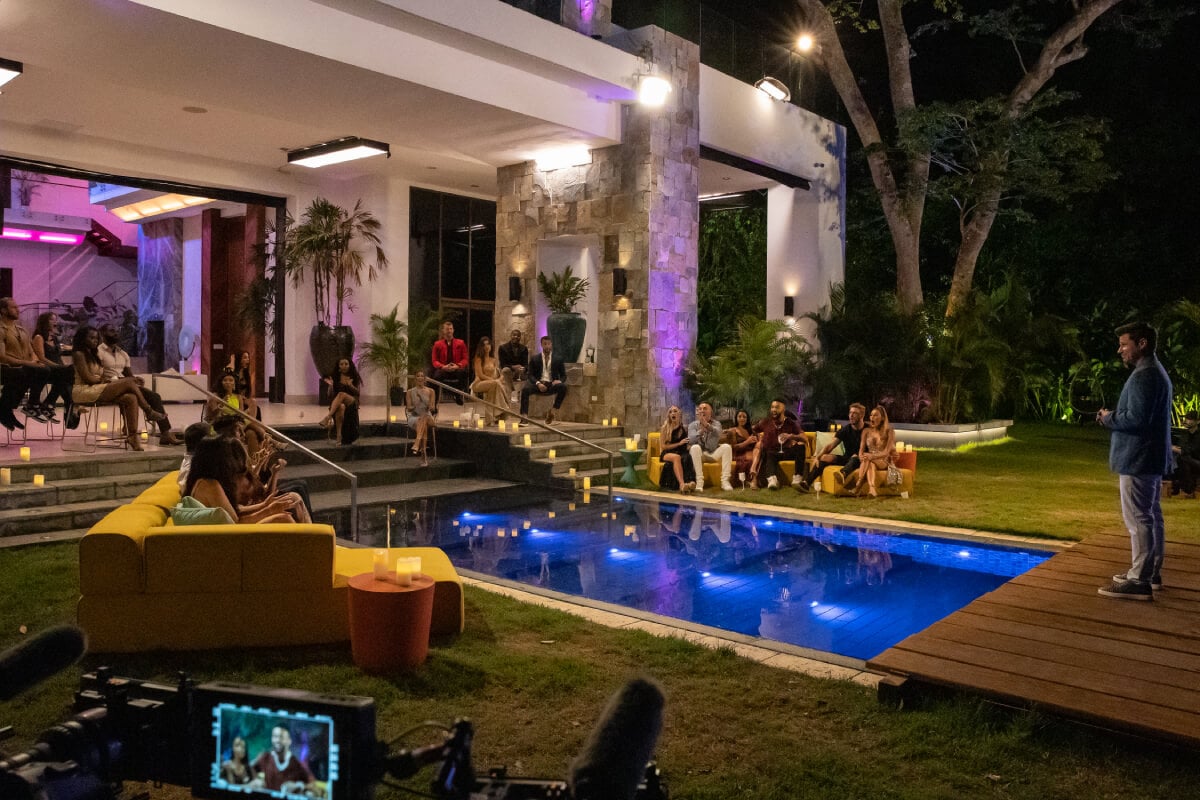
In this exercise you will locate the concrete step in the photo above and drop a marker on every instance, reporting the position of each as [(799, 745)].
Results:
[(96, 465), (378, 472), (75, 490), (44, 519)]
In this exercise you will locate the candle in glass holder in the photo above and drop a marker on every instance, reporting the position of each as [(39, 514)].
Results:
[(549, 515), (614, 422), (525, 524), (380, 563), (551, 454), (25, 454), (571, 472), (5, 476), (502, 426), (604, 422), (457, 424), (630, 444), (570, 506), (908, 448), (39, 480), (832, 427), (629, 530), (145, 436), (587, 497), (512, 532), (103, 426), (587, 483), (515, 426), (407, 569), (899, 447), (392, 418), (528, 440), (479, 422)]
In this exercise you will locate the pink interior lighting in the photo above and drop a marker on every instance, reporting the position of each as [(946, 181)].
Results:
[(48, 237)]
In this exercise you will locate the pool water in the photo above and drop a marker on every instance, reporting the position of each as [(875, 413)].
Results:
[(850, 591)]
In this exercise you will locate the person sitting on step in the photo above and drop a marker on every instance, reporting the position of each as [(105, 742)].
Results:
[(547, 375)]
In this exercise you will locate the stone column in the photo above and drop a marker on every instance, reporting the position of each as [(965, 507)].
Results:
[(639, 200), (160, 281)]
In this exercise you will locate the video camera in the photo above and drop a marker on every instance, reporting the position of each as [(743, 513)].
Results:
[(229, 740)]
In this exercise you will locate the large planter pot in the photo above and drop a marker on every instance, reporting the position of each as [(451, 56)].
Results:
[(329, 345), (566, 332)]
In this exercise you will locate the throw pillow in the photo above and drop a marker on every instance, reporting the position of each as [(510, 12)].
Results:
[(191, 511)]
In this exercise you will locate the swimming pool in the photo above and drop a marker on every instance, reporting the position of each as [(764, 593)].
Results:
[(850, 591)]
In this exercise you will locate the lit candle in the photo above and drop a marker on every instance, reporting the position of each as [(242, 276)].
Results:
[(525, 524), (407, 569), (587, 497), (637, 439), (454, 523), (502, 426), (479, 422), (614, 422), (832, 427), (587, 483), (899, 447), (604, 422), (630, 444), (551, 454), (392, 418), (5, 476), (25, 455), (381, 564), (528, 440), (457, 424), (500, 532), (103, 426), (39, 480), (570, 506), (516, 426), (908, 448), (145, 436), (571, 472), (629, 529), (513, 533), (550, 515), (603, 515)]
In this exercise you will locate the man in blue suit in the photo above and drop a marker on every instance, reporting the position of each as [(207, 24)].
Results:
[(1140, 454), (547, 375)]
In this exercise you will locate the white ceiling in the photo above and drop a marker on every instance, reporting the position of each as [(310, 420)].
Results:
[(122, 74)]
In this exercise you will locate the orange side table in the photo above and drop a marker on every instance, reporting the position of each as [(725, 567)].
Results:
[(907, 460), (389, 624)]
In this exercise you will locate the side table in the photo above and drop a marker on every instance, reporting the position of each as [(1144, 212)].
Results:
[(632, 457), (389, 624)]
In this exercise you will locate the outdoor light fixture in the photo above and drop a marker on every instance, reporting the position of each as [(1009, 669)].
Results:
[(773, 88), (9, 70), (347, 148), (560, 157), (653, 90), (45, 237), (514, 289), (620, 282), (805, 42), (789, 305)]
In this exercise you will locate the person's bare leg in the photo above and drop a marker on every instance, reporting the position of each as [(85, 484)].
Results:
[(871, 470), (129, 410), (338, 416)]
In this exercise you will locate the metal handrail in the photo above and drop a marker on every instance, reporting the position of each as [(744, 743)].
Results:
[(611, 455), (277, 433)]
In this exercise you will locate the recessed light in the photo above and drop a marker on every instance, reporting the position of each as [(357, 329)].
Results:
[(195, 109)]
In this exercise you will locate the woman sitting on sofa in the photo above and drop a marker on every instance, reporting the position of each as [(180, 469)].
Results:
[(678, 470), (217, 479), (745, 447), (876, 452)]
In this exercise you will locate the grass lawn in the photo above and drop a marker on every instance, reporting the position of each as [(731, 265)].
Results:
[(533, 680)]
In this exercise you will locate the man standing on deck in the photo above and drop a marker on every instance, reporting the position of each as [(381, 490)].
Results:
[(1140, 454)]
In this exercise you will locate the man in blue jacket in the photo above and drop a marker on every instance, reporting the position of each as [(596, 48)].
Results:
[(1140, 454)]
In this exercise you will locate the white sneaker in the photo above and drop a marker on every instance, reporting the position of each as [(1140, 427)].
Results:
[(726, 486), (699, 487), (772, 482), (796, 481)]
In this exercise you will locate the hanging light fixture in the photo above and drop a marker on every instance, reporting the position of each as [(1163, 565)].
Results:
[(347, 148), (773, 88)]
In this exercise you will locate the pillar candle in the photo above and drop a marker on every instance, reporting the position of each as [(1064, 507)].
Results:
[(407, 569), (604, 422), (145, 436), (5, 476), (39, 480), (501, 425), (516, 426), (629, 530), (899, 447), (479, 422), (587, 483), (525, 524), (571, 472), (528, 440), (587, 497), (103, 426), (570, 506), (457, 424), (614, 422), (630, 444), (25, 455), (550, 515), (551, 454), (392, 418), (380, 563), (512, 532)]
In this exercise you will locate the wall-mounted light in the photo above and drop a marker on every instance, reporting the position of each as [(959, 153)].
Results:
[(789, 305), (514, 289), (347, 148), (9, 70), (620, 282), (591, 354), (653, 90), (773, 88), (805, 42), (45, 237), (559, 157)]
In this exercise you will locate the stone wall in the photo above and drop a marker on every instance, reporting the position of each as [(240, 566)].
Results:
[(639, 200)]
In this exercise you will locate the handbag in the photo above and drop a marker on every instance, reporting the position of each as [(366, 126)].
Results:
[(893, 475)]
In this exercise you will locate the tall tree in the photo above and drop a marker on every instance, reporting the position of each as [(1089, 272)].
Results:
[(993, 130)]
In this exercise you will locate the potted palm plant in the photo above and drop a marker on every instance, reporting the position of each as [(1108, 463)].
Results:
[(387, 352), (566, 328), (333, 249)]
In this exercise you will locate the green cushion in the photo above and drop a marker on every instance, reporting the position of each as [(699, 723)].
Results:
[(191, 511)]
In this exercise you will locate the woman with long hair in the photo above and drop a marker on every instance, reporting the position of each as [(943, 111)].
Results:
[(421, 404), (231, 401), (239, 365), (218, 479), (91, 388), (678, 470), (488, 383), (236, 770), (344, 387), (876, 452), (744, 442), (47, 349)]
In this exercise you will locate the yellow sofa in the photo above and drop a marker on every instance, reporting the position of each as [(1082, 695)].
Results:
[(833, 483), (712, 469), (149, 585)]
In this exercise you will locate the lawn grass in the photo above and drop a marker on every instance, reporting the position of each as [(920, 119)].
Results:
[(533, 680), (1046, 480)]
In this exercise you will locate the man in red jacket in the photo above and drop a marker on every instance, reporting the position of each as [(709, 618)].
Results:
[(450, 361)]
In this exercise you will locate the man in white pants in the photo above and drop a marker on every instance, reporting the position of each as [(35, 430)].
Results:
[(704, 436)]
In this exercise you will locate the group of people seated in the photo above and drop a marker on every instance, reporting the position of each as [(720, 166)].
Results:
[(100, 372), (753, 451), (277, 769), (497, 376)]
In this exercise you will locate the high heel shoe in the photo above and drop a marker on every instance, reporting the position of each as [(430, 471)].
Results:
[(134, 443), (327, 422), (154, 416)]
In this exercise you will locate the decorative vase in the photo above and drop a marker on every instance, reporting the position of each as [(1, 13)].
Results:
[(566, 332), (329, 345)]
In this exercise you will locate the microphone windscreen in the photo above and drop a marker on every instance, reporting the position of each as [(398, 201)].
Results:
[(39, 657), (613, 761)]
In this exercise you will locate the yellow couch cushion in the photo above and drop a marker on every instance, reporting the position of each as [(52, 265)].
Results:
[(287, 557), (193, 559), (164, 493), (110, 555)]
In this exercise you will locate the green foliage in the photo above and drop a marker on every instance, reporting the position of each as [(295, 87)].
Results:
[(765, 359), (387, 349), (333, 248), (423, 323), (562, 290), (732, 279)]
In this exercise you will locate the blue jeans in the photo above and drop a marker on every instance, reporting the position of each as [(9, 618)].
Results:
[(1141, 509)]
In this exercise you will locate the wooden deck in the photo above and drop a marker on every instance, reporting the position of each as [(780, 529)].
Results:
[(1047, 640)]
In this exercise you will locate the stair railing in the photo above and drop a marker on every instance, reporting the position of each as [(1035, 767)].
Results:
[(276, 433), (529, 420)]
